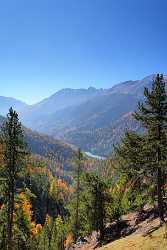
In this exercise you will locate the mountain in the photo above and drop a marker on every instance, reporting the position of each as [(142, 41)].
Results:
[(7, 102), (133, 87), (47, 146), (34, 115), (100, 141), (92, 119), (97, 112), (88, 118)]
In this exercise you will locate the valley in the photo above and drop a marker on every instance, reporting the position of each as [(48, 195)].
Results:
[(83, 125), (91, 119), (48, 148), (89, 170)]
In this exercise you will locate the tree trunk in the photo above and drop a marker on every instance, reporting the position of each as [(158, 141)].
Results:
[(101, 216), (78, 196), (159, 177), (160, 199), (9, 236), (10, 216), (77, 207)]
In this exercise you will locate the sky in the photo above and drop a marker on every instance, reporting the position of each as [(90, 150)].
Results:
[(47, 45)]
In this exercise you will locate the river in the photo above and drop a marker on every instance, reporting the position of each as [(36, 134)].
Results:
[(95, 156)]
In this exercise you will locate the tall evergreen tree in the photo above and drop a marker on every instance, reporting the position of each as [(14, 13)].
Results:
[(77, 222), (153, 116), (99, 198), (148, 153), (14, 152)]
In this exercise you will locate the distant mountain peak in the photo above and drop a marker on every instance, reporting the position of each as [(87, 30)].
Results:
[(92, 88), (8, 98), (7, 102)]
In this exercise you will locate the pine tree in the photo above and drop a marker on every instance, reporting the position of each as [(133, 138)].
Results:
[(153, 116), (97, 188), (14, 152), (77, 223), (147, 154)]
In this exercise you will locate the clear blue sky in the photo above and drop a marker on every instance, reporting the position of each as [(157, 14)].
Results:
[(46, 45)]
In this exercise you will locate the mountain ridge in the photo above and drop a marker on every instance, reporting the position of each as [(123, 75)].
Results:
[(46, 146), (72, 114), (7, 102)]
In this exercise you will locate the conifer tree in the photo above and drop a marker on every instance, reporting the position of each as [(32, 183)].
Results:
[(12, 139), (97, 188), (153, 116), (77, 223), (147, 154)]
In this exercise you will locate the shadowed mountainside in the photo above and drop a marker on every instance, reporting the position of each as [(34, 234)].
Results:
[(91, 119), (47, 147), (93, 122)]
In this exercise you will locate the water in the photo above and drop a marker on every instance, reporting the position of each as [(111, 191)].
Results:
[(95, 156)]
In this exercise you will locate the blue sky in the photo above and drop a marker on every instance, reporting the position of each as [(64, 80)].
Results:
[(46, 45)]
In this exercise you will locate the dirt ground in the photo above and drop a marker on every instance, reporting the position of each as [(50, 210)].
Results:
[(143, 223)]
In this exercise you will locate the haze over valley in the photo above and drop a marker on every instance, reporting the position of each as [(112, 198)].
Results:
[(91, 119)]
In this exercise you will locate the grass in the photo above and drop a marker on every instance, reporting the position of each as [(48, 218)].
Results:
[(153, 241)]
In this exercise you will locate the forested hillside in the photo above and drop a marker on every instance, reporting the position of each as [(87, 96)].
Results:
[(48, 147), (104, 200), (100, 141)]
